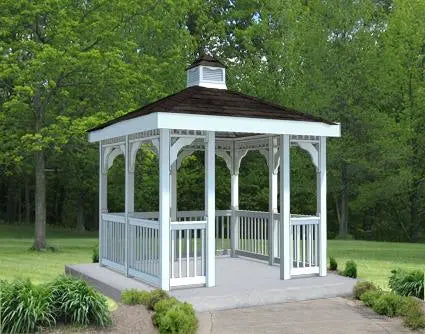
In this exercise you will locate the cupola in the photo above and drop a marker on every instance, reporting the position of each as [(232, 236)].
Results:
[(206, 71)]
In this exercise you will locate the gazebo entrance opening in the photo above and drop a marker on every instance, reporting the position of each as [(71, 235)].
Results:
[(131, 242)]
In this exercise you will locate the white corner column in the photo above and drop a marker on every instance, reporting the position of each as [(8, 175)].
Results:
[(173, 186), (321, 206), (210, 206), (272, 228), (164, 208), (128, 201), (234, 203), (285, 209), (103, 198)]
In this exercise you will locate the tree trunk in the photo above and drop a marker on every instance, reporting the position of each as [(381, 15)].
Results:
[(27, 201), (343, 224), (11, 207), (40, 201), (80, 213)]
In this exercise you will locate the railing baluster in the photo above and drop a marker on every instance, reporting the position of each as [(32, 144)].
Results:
[(195, 255), (187, 254), (180, 253)]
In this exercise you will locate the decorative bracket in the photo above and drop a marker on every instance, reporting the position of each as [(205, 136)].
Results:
[(226, 157), (312, 150), (109, 155), (178, 145), (183, 155), (239, 155), (134, 148)]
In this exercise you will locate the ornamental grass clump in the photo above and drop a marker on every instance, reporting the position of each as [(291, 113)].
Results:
[(76, 303), (388, 304), (174, 317), (362, 287), (24, 307), (350, 269), (413, 313), (406, 283), (333, 265)]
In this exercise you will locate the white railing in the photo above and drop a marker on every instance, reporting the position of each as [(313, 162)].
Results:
[(143, 253), (188, 242), (253, 232), (222, 225), (304, 245), (113, 240)]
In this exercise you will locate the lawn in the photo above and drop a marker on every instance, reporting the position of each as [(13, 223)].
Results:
[(374, 259)]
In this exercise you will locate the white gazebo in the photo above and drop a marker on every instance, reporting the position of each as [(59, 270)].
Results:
[(173, 248)]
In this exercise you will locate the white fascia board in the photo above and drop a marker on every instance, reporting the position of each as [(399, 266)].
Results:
[(179, 121), (246, 124), (127, 127)]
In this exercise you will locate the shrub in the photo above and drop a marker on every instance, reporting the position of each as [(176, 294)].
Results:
[(388, 304), (350, 269), (95, 255), (413, 314), (24, 307), (173, 316), (155, 296), (362, 287), (370, 297), (75, 302), (333, 265), (134, 296), (407, 283)]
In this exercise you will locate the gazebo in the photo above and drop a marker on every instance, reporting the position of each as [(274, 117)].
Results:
[(173, 248)]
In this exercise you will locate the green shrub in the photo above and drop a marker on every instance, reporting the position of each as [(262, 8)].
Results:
[(388, 304), (95, 255), (350, 269), (362, 287), (370, 297), (407, 283), (413, 314), (134, 296), (174, 317), (24, 307), (155, 296), (333, 265), (77, 303)]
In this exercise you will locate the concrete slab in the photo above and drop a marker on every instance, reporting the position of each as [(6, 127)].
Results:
[(240, 283)]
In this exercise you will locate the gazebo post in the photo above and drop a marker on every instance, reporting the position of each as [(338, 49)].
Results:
[(103, 197), (128, 199), (272, 230), (234, 202), (321, 202), (173, 186), (210, 206), (164, 208), (285, 209)]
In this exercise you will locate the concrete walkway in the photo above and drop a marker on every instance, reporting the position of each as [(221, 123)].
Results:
[(327, 316)]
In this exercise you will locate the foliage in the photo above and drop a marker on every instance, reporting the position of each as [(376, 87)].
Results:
[(155, 296), (333, 265), (24, 307), (407, 283), (370, 297), (95, 255), (413, 313), (172, 316), (134, 296), (76, 303), (388, 304), (350, 269), (361, 287)]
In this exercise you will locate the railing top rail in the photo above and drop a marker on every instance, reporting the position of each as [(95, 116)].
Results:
[(190, 225), (252, 214), (304, 220), (114, 217), (143, 222)]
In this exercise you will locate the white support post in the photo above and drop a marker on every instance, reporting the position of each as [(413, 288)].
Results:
[(272, 230), (164, 208), (234, 203), (128, 198), (173, 186), (322, 210), (103, 198), (285, 210), (210, 206)]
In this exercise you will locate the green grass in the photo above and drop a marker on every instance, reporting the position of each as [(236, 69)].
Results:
[(18, 261), (375, 260)]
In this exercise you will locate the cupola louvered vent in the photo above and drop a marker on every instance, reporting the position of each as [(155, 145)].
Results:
[(207, 72)]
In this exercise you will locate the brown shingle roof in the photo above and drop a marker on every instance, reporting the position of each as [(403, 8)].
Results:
[(217, 102), (207, 61)]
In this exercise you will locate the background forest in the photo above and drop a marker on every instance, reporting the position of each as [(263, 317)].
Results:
[(68, 65)]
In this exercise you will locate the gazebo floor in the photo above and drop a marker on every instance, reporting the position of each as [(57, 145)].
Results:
[(240, 282)]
